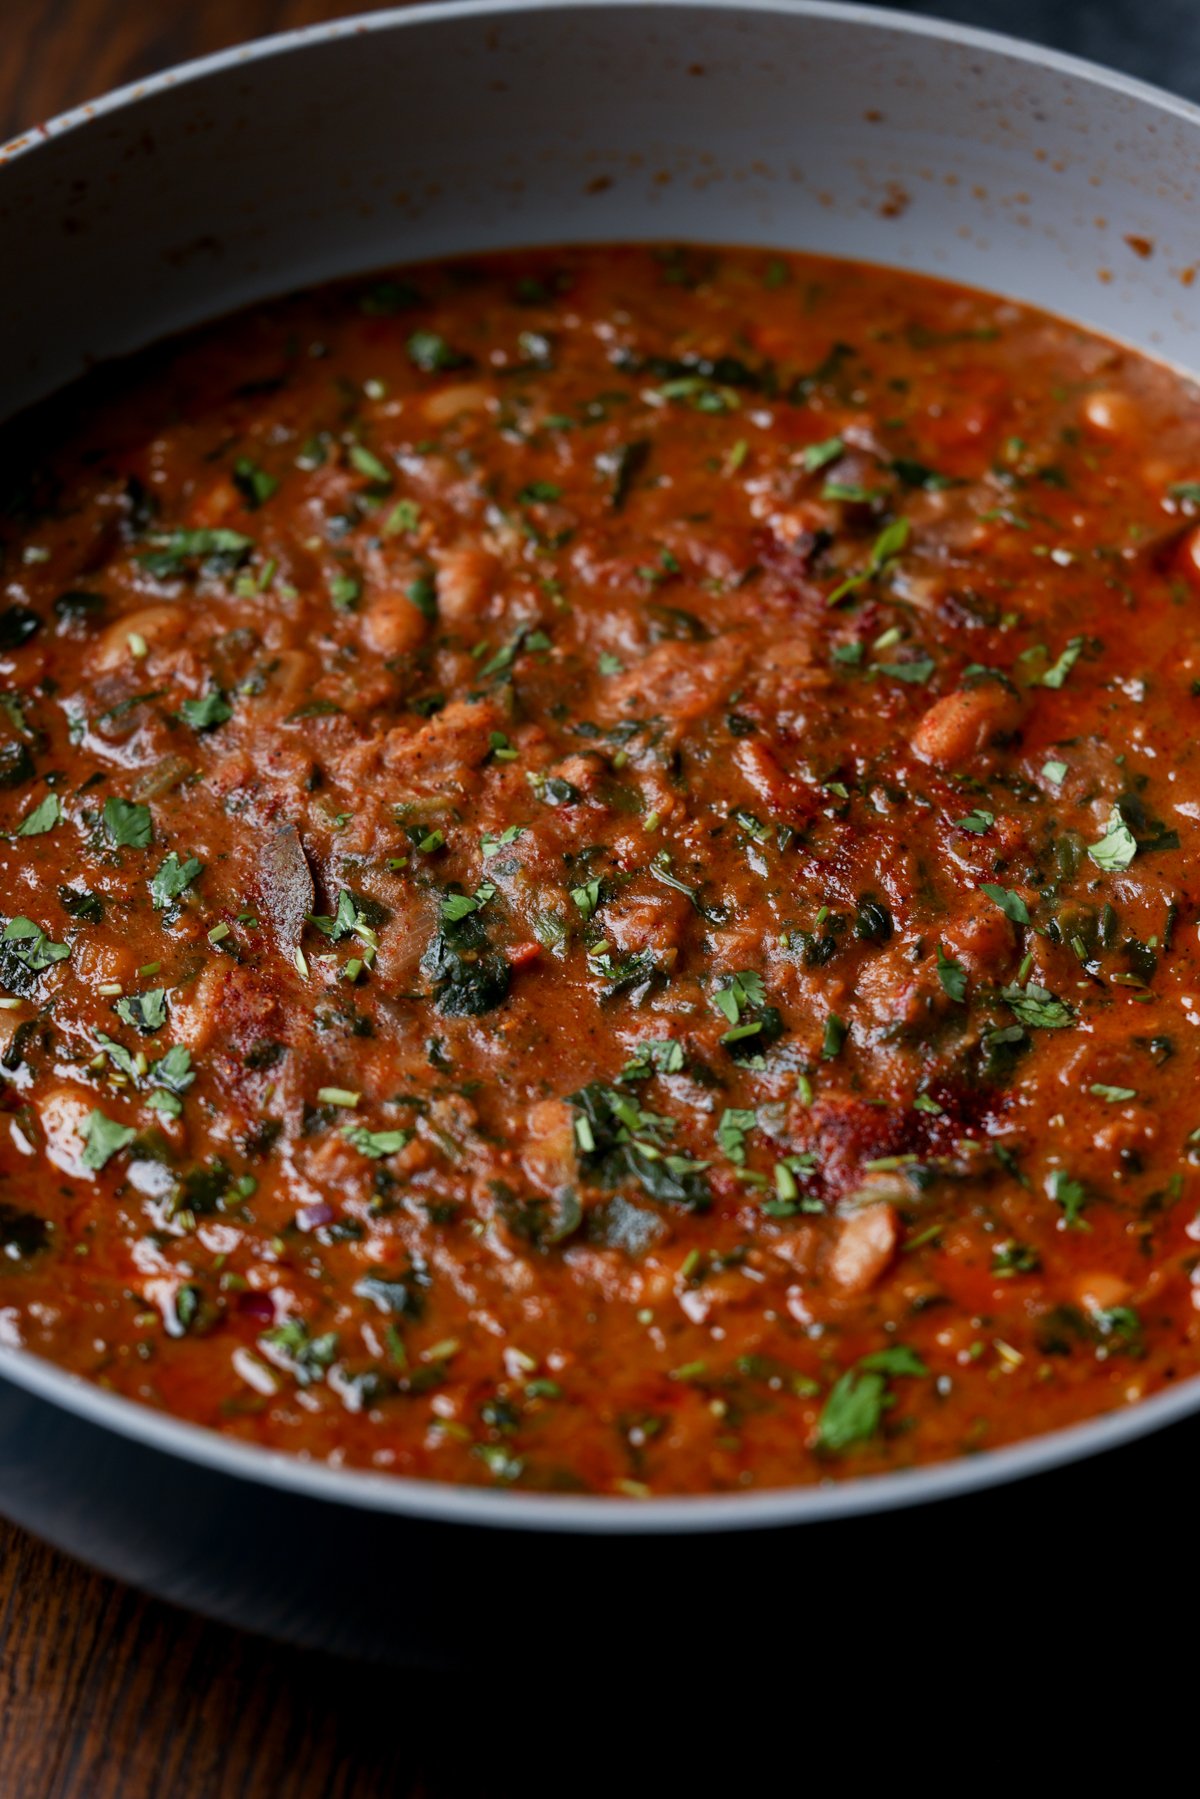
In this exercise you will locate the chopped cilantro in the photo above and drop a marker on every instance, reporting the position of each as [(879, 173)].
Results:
[(735, 1125), (205, 714), (952, 975), (253, 483), (103, 1138), (622, 467), (457, 906), (819, 455), (218, 550), (891, 540), (616, 1141), (1011, 1258), (146, 1012), (916, 474), (653, 1055), (587, 897), (375, 1144), (422, 593), (1058, 672), (365, 462), (897, 1358), (404, 516), (1010, 903), (347, 921), (430, 353), (174, 1070), (25, 953), (853, 1411), (128, 824), (1118, 846), (1037, 1008), (737, 991), (858, 1400), (166, 1102), (1070, 1195), (292, 1346), (43, 818), (174, 878), (345, 591), (916, 672), (491, 846)]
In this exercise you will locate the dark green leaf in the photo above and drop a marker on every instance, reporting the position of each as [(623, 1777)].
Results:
[(128, 824), (1118, 846), (173, 878), (1057, 674), (616, 1141), (432, 354), (205, 714), (146, 1012), (218, 550), (1010, 903), (952, 975), (375, 1144), (253, 483), (1038, 1008), (103, 1138), (853, 1411), (43, 818)]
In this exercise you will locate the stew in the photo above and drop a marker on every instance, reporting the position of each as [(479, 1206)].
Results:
[(598, 884)]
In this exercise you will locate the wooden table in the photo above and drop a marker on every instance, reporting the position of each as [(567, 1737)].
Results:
[(105, 1694)]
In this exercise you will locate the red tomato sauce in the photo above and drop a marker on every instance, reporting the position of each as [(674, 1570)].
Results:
[(598, 880)]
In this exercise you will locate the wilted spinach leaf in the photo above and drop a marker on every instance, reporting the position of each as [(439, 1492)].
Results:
[(617, 1141), (469, 974)]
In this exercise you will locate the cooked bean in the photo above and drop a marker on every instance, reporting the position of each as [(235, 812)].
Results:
[(961, 725)]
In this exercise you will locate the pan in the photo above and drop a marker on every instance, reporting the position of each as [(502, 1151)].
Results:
[(443, 129)]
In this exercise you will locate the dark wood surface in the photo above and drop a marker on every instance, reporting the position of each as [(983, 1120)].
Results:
[(55, 53), (105, 1694)]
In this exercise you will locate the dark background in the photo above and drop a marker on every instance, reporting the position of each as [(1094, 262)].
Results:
[(54, 53), (1158, 40), (105, 1695)]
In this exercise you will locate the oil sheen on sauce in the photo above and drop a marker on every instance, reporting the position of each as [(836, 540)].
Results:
[(597, 887)]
